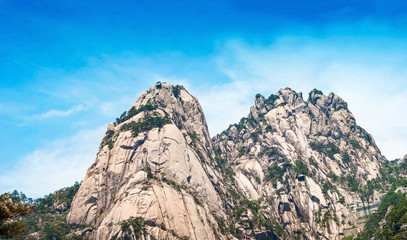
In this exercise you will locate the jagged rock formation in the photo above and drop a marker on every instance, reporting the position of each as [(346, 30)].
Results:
[(311, 151), (291, 168)]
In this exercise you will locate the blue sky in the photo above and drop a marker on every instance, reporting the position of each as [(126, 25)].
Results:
[(70, 67)]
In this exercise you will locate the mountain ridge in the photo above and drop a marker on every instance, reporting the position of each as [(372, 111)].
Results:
[(290, 167)]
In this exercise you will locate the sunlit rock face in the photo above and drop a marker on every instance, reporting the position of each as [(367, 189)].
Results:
[(292, 167), (300, 160), (161, 173)]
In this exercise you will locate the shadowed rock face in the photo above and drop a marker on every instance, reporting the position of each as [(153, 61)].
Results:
[(286, 169)]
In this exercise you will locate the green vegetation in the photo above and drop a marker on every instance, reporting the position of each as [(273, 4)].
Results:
[(229, 173), (150, 175), (329, 150), (133, 112), (10, 212), (255, 135), (175, 91), (301, 167), (48, 216), (172, 183), (367, 136), (332, 176), (242, 151), (271, 99), (313, 162), (316, 91), (260, 219), (393, 208), (221, 225), (327, 186), (149, 122), (353, 185), (108, 139), (341, 107), (273, 226), (276, 173), (355, 144), (194, 138), (146, 124), (270, 129), (220, 162), (134, 225), (345, 157), (271, 152), (325, 220)]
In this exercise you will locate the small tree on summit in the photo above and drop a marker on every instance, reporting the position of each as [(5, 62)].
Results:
[(9, 214)]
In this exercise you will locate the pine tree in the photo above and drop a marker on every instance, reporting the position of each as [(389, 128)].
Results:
[(9, 213)]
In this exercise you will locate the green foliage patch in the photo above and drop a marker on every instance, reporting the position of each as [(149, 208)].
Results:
[(276, 173), (48, 220), (146, 124), (175, 91), (271, 99), (355, 144), (301, 167), (134, 225), (329, 150), (345, 157), (394, 206), (133, 112)]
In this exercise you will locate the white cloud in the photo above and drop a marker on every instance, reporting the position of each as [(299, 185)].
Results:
[(373, 82), (60, 113), (56, 165)]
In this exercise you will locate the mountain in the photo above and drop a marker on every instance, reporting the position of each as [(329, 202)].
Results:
[(154, 162), (291, 169), (305, 162)]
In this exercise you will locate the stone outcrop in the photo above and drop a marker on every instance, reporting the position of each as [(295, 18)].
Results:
[(292, 167)]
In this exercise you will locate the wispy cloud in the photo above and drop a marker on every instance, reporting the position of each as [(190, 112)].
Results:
[(58, 164), (371, 80), (59, 113)]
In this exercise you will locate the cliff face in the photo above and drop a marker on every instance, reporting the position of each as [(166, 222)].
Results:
[(306, 162), (292, 167), (153, 164)]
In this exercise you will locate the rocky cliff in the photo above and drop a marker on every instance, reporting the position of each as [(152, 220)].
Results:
[(153, 163), (291, 168), (306, 163)]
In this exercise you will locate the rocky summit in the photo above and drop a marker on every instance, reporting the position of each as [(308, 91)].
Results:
[(291, 169)]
